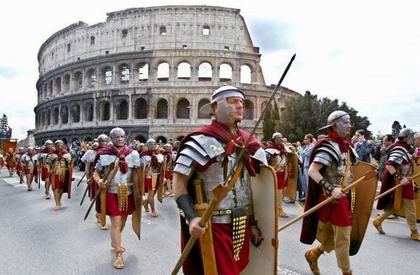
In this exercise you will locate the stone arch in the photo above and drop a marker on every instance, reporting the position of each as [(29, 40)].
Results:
[(77, 80), (88, 111), (183, 109), (67, 79), (142, 70), (121, 109), (124, 73), (184, 70), (45, 89), (249, 109), (162, 108), (141, 138), (107, 75), (75, 112), (87, 139), (179, 138), (64, 114), (57, 84), (55, 115), (140, 108), (64, 140), (225, 73), (246, 74), (50, 88), (161, 139), (201, 103), (91, 78), (163, 71), (104, 110), (205, 72), (48, 117)]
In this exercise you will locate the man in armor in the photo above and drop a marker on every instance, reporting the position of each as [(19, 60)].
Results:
[(329, 172), (89, 159), (281, 170), (168, 163), (28, 162), (205, 158), (61, 172), (116, 172), (11, 162), (43, 158), (152, 160), (19, 165), (398, 170)]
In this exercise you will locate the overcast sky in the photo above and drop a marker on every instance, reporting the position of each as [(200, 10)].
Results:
[(366, 53)]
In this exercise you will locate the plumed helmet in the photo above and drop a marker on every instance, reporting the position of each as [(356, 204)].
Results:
[(333, 118), (114, 132), (276, 135), (220, 93), (48, 142), (103, 138)]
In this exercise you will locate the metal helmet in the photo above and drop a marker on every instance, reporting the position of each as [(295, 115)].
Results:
[(48, 142), (150, 143), (30, 148), (276, 135), (114, 132), (167, 146), (408, 134), (103, 138), (219, 96), (333, 118), (58, 142)]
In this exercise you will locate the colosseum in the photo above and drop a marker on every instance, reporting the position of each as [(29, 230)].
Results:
[(147, 70)]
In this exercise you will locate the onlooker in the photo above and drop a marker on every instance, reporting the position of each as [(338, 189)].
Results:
[(305, 154), (387, 141), (362, 146)]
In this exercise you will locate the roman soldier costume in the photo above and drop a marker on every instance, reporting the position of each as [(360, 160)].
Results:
[(280, 168), (29, 163), (332, 158), (61, 172), (399, 169), (168, 163), (205, 157), (116, 172), (10, 161), (152, 161), (19, 165), (89, 159), (44, 159)]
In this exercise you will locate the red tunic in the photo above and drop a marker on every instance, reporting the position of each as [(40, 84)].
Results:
[(223, 247)]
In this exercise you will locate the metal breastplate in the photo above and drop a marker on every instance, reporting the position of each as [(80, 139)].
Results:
[(335, 172), (239, 196)]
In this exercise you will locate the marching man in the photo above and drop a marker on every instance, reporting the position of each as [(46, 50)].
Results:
[(28, 162)]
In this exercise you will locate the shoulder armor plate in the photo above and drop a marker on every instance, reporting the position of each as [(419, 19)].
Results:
[(210, 145)]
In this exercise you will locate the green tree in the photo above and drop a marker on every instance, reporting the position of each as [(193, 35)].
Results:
[(306, 114)]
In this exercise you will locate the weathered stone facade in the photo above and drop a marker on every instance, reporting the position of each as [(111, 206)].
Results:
[(147, 70)]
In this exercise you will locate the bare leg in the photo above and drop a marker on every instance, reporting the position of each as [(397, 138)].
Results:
[(57, 199), (47, 188), (29, 181), (116, 229), (151, 199)]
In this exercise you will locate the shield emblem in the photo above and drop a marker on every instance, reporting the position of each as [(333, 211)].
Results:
[(263, 259), (363, 198), (416, 169)]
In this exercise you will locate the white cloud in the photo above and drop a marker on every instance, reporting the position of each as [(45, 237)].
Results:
[(361, 52)]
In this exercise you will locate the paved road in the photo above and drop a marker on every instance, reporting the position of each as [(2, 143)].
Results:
[(35, 239)]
